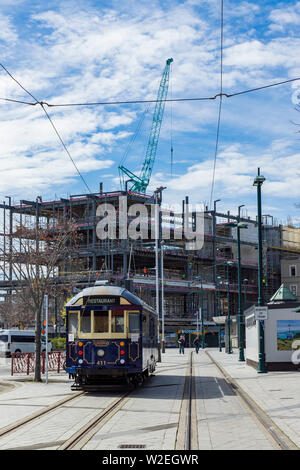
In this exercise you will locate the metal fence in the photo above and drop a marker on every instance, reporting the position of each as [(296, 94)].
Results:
[(24, 362)]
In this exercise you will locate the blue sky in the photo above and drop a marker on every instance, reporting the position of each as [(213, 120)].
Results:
[(108, 50)]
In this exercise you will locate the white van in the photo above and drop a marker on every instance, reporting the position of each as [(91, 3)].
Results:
[(19, 341)]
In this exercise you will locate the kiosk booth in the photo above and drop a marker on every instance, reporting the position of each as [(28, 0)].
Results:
[(281, 332)]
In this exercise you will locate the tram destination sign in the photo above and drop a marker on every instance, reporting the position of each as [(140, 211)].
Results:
[(97, 300)]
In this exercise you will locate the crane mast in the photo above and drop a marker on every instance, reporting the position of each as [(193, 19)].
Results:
[(140, 183)]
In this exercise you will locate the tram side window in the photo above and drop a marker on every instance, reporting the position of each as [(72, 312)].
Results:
[(134, 322), (152, 327), (145, 325), (85, 322), (101, 321), (73, 322), (117, 322)]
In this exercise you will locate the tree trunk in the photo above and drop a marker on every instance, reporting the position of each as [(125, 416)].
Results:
[(37, 368)]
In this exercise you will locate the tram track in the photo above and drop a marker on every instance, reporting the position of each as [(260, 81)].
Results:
[(186, 438), (187, 417), (188, 435), (276, 434), (79, 439), (38, 414)]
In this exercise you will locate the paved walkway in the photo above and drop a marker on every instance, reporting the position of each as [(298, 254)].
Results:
[(277, 393), (224, 423), (221, 415)]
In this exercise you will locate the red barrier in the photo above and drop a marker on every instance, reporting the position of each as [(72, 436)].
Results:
[(25, 362)]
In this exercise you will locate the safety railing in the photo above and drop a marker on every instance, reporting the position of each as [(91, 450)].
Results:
[(24, 363)]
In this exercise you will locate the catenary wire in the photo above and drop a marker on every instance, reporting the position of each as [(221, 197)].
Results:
[(65, 147), (51, 122), (220, 106), (15, 80), (220, 95), (17, 101), (207, 98)]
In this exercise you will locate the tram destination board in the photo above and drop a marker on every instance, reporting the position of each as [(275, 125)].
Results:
[(97, 300)]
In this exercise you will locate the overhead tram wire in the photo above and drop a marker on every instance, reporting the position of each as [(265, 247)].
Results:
[(220, 107), (15, 80), (104, 103), (50, 120), (220, 95), (65, 147), (17, 101)]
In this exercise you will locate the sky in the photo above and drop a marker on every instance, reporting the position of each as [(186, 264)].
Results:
[(75, 51)]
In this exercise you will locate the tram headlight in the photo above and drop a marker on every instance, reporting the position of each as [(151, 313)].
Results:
[(100, 352)]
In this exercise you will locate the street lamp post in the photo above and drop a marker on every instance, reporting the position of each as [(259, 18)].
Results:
[(202, 317), (245, 281), (219, 313), (229, 263), (216, 278), (156, 271), (215, 251), (258, 182), (162, 296), (240, 314)]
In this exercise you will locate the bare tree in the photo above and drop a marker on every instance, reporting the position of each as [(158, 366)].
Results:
[(36, 257)]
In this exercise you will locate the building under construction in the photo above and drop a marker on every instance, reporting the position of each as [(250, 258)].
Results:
[(201, 280)]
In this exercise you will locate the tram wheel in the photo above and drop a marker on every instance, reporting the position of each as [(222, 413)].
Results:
[(139, 380)]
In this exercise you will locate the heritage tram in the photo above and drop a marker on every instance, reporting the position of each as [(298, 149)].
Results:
[(111, 338)]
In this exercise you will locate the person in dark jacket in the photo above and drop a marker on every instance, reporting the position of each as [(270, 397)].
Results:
[(181, 342), (197, 344)]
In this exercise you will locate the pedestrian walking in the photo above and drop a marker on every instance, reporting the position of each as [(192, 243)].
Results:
[(181, 342), (197, 344)]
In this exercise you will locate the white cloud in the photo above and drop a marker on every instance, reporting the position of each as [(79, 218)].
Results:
[(75, 53), (285, 16), (8, 32), (235, 173)]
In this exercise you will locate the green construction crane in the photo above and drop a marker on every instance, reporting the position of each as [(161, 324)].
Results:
[(140, 183)]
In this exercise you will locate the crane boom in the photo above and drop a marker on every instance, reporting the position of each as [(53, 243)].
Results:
[(140, 183)]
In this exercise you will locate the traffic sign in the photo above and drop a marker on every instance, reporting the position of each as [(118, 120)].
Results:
[(261, 313)]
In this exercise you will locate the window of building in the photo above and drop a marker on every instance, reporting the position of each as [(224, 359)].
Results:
[(292, 271), (293, 290)]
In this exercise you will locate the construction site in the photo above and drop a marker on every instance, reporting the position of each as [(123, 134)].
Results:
[(194, 281)]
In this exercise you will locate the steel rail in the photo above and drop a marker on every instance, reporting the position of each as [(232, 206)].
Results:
[(84, 434), (20, 423), (188, 432), (283, 441)]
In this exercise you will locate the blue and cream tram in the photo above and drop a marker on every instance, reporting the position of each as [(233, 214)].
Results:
[(111, 337)]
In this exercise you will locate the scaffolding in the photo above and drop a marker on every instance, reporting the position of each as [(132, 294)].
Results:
[(191, 277)]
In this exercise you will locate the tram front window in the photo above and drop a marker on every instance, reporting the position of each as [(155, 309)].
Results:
[(117, 322), (73, 322), (134, 322), (101, 322), (85, 322)]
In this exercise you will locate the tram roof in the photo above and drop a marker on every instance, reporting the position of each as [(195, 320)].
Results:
[(107, 290)]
